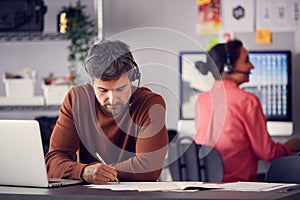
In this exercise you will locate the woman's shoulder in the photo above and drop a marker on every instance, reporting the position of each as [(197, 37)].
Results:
[(249, 95), (249, 98)]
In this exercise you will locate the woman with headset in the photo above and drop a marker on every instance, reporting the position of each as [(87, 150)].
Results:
[(231, 119)]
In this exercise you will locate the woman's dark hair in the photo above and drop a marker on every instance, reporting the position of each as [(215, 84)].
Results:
[(107, 60), (217, 58)]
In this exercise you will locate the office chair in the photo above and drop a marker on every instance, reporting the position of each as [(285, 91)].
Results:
[(46, 126), (172, 135), (194, 162), (284, 170)]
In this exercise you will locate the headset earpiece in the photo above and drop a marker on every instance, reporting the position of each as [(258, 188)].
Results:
[(228, 68), (136, 75)]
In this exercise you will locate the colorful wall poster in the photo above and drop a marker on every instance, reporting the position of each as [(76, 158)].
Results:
[(208, 16)]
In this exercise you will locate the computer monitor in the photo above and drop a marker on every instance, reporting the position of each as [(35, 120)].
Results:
[(270, 80), (192, 82)]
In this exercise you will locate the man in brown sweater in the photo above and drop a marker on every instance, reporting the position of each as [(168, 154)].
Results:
[(123, 123)]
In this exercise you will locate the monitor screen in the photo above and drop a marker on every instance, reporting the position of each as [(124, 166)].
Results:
[(270, 81), (192, 82)]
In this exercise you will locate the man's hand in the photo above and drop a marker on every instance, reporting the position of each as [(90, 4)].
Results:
[(99, 173)]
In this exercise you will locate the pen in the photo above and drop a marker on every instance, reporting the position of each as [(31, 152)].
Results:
[(101, 160), (289, 189)]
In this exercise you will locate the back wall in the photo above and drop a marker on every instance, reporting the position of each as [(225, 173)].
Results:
[(158, 30)]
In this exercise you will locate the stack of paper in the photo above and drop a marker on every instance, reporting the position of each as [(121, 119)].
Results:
[(255, 186), (156, 186), (187, 185)]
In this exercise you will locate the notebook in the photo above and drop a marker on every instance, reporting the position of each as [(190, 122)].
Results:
[(22, 156)]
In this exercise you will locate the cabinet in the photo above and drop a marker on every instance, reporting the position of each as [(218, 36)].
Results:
[(29, 36), (44, 52), (29, 108), (28, 112)]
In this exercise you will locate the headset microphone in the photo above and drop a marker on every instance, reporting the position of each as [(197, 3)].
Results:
[(230, 71), (241, 72)]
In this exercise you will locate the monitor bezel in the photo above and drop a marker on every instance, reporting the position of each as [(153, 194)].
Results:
[(181, 54)]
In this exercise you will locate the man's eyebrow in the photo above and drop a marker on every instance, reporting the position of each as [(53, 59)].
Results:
[(122, 86), (102, 88)]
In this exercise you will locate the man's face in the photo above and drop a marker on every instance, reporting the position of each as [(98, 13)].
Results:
[(113, 95)]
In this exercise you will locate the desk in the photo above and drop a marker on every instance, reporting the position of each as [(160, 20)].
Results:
[(81, 192)]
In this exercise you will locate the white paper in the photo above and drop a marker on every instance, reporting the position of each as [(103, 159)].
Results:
[(154, 186), (255, 186), (181, 185), (296, 15), (275, 15), (238, 16)]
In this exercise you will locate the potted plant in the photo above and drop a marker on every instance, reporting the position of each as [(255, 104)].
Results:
[(81, 30)]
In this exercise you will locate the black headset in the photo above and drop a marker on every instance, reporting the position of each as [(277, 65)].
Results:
[(136, 75), (228, 68)]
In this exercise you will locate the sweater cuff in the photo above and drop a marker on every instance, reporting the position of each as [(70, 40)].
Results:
[(287, 150), (79, 170)]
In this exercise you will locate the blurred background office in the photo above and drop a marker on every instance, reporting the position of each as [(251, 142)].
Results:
[(159, 32)]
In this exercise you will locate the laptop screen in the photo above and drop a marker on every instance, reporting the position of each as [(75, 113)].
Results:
[(21, 154)]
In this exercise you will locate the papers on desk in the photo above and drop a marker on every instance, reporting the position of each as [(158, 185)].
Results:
[(193, 186), (256, 186), (156, 186)]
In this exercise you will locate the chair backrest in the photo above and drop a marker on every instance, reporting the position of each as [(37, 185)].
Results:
[(284, 170), (46, 126), (194, 162)]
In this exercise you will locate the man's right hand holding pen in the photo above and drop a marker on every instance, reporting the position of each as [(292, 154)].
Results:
[(99, 173)]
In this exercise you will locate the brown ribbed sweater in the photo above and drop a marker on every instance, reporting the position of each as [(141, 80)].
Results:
[(134, 141)]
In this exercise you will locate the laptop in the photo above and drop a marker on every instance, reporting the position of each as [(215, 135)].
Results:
[(22, 157)]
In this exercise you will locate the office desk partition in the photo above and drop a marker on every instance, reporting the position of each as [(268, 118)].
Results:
[(81, 192)]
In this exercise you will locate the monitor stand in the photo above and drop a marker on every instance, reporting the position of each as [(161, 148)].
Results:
[(275, 128), (280, 128)]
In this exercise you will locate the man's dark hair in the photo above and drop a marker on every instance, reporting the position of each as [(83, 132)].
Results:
[(108, 60)]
